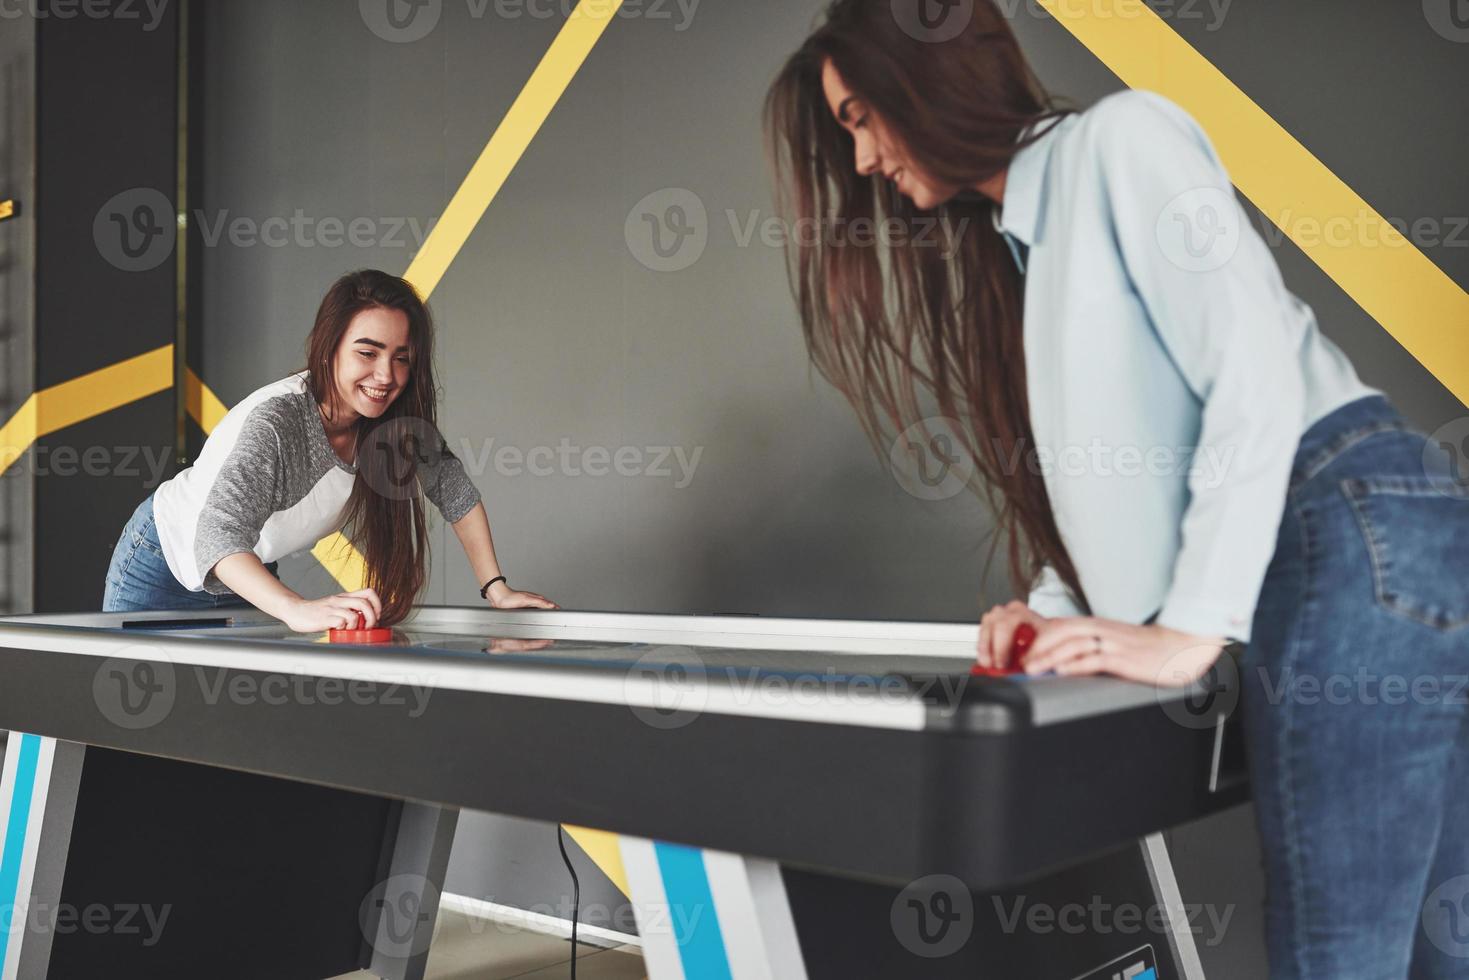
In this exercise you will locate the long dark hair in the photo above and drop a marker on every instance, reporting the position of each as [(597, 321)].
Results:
[(387, 526), (889, 320)]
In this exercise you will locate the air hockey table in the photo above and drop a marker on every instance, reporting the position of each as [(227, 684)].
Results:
[(795, 797)]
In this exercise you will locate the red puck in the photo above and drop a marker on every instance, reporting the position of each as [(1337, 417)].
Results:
[(1024, 637), (378, 635)]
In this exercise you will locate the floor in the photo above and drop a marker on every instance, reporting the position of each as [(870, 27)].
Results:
[(476, 949)]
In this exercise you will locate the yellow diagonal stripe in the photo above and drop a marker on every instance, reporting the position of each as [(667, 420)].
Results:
[(7, 209), (601, 846), (1395, 283), (17, 434), (203, 406), (529, 111), (345, 563), (103, 390), (84, 397)]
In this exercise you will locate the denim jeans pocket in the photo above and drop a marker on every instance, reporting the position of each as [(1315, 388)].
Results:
[(1414, 528), (145, 537)]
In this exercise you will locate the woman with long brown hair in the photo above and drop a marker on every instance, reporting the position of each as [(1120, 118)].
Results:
[(351, 442), (1177, 458)]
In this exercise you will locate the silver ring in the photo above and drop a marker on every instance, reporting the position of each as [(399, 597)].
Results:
[(1097, 640)]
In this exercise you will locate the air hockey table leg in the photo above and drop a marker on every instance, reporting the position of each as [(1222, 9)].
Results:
[(401, 913), (38, 793), (709, 914), (1166, 894)]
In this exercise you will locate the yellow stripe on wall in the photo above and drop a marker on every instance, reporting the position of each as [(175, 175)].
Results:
[(17, 434), (103, 390), (345, 563), (203, 405), (562, 60), (601, 846), (1395, 283), (84, 397)]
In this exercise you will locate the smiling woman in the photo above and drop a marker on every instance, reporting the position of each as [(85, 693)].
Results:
[(349, 443)]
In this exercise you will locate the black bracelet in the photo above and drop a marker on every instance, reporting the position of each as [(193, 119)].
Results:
[(486, 589)]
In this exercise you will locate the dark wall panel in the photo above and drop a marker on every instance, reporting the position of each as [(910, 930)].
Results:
[(17, 298), (105, 270)]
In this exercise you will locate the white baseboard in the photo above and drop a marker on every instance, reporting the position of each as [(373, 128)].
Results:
[(548, 925)]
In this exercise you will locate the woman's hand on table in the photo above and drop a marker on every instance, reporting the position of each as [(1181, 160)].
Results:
[(1081, 645), (502, 596), (346, 610)]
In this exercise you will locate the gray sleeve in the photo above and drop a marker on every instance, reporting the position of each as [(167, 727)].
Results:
[(447, 485), (240, 500)]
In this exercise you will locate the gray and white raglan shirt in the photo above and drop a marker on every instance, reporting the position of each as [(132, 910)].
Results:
[(268, 481)]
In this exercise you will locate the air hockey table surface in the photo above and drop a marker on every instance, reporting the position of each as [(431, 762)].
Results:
[(872, 738)]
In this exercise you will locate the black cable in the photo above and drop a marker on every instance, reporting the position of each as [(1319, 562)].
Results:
[(575, 894)]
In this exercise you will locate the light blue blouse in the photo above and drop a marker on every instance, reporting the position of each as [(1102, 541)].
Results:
[(1170, 372)]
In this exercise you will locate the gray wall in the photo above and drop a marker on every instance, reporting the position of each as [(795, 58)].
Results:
[(552, 329)]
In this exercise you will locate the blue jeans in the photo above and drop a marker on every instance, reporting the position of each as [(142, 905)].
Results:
[(139, 579), (1354, 687)]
